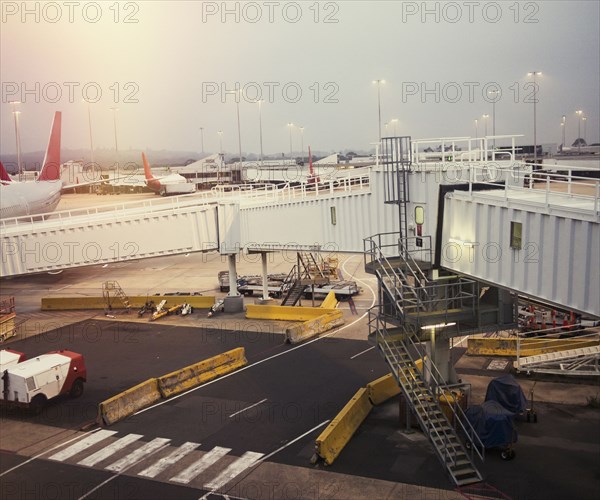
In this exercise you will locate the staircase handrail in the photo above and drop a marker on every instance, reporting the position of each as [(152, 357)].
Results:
[(396, 275), (412, 265), (441, 383)]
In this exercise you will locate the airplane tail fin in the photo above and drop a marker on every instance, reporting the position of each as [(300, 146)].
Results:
[(3, 174), (51, 166), (147, 171)]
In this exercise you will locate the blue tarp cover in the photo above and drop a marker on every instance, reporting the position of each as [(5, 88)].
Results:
[(493, 424), (507, 391)]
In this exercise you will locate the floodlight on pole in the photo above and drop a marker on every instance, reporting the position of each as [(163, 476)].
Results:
[(17, 137), (534, 74), (379, 82)]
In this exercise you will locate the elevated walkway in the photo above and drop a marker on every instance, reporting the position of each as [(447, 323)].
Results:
[(64, 240), (542, 241)]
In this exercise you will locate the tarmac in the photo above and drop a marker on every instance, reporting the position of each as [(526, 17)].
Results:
[(557, 457)]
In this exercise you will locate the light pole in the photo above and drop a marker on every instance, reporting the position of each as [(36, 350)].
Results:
[(495, 94), (114, 110), (91, 139), (476, 129), (534, 74), (485, 117), (379, 82), (290, 125), (564, 129), (395, 121), (302, 142), (579, 113), (260, 101), (202, 138), (221, 157), (238, 175), (584, 129), (17, 137)]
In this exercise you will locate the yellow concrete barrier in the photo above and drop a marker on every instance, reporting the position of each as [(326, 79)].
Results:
[(285, 313), (313, 327), (202, 372), (382, 389), (330, 301), (386, 387), (128, 402), (336, 435), (136, 301), (482, 346)]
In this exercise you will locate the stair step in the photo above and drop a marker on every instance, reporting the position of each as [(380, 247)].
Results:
[(458, 464), (468, 480)]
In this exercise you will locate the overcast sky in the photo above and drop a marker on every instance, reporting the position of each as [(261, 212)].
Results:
[(166, 66)]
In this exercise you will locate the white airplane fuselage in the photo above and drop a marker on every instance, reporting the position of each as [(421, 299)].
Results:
[(28, 198)]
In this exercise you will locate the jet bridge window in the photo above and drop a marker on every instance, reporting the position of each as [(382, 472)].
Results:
[(516, 234)]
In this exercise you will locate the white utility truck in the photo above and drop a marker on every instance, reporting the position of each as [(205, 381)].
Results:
[(30, 384)]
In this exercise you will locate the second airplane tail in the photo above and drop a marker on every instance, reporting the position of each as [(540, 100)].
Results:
[(51, 166), (147, 171)]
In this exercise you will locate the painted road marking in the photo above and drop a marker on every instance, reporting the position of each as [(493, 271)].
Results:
[(362, 352), (264, 360), (235, 468), (171, 459), (247, 408), (214, 455), (104, 453), (81, 445), (138, 455)]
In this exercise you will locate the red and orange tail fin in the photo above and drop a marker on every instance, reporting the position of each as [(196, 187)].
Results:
[(147, 171), (51, 166), (4, 177)]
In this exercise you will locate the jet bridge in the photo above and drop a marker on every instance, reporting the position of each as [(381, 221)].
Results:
[(63, 240), (541, 240)]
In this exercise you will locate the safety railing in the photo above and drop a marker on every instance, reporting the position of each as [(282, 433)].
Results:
[(417, 301), (464, 149), (431, 377), (243, 194)]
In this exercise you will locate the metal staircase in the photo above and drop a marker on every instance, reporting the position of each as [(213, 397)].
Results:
[(113, 287), (309, 270), (293, 294), (409, 299), (423, 392)]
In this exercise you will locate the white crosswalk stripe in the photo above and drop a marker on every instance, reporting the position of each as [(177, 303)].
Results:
[(138, 455), (234, 469), (111, 449), (144, 452), (214, 455), (172, 458), (79, 446)]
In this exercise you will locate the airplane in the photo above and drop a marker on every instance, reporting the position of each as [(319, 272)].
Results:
[(168, 184), (42, 195)]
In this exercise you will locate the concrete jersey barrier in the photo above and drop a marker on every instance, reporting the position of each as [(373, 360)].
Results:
[(129, 402), (337, 434), (202, 372), (313, 327)]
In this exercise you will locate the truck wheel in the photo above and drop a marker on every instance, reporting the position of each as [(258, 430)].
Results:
[(76, 389), (37, 404)]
